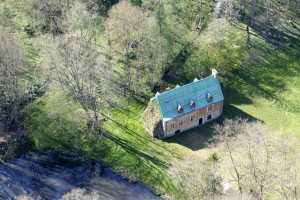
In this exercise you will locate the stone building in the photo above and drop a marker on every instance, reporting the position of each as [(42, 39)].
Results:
[(188, 106)]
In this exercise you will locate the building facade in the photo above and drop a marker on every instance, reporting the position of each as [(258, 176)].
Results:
[(189, 106)]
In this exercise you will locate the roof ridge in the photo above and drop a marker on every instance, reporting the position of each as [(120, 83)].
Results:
[(188, 84)]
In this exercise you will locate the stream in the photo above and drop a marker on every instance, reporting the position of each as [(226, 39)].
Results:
[(48, 176)]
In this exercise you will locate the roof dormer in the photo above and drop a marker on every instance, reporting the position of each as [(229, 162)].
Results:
[(179, 108), (192, 104), (209, 97)]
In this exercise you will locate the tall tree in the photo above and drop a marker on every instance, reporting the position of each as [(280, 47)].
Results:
[(134, 37), (79, 69)]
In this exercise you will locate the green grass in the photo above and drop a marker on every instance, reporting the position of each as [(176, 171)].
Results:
[(267, 90)]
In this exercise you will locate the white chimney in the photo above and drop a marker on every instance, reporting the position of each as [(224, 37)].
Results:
[(214, 73)]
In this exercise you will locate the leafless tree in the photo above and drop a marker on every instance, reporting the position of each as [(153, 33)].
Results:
[(197, 178), (134, 37), (48, 16), (86, 24), (259, 163), (80, 69)]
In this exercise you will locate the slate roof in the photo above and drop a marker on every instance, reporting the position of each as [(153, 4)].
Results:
[(196, 91)]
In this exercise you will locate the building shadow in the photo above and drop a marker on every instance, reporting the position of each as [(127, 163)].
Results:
[(200, 137)]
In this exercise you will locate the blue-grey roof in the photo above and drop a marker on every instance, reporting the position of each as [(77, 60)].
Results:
[(196, 91)]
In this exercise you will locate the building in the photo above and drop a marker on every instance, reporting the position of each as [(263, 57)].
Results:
[(189, 106)]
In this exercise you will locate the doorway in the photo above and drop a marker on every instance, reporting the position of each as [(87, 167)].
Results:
[(208, 117), (200, 121)]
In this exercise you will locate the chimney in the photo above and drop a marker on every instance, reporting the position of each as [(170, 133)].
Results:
[(214, 73)]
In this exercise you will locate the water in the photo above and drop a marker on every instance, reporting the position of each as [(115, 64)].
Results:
[(47, 176)]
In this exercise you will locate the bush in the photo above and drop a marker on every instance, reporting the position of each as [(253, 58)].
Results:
[(14, 147)]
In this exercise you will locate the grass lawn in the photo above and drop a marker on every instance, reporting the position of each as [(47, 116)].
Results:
[(268, 92)]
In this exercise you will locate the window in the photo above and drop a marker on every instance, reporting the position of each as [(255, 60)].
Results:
[(209, 97), (179, 108), (192, 118), (180, 123), (172, 126), (192, 104), (210, 107)]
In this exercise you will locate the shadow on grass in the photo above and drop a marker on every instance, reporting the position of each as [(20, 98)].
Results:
[(198, 138), (134, 151)]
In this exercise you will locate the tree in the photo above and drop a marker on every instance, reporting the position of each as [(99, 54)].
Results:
[(133, 36), (86, 24), (79, 69), (100, 6), (11, 67), (48, 16), (196, 178), (259, 163)]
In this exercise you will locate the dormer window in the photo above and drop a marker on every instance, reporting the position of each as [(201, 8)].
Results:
[(179, 108), (209, 97), (192, 104)]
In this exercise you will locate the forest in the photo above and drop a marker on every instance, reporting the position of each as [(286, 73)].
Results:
[(76, 78)]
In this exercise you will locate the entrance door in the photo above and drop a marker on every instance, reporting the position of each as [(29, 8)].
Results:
[(200, 121), (208, 117)]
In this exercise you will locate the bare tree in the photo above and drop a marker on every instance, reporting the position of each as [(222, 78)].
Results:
[(79, 69), (48, 16), (259, 163), (134, 37), (197, 178), (11, 66), (86, 24)]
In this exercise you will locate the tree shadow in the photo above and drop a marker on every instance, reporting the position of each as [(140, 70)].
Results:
[(134, 151), (198, 138)]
